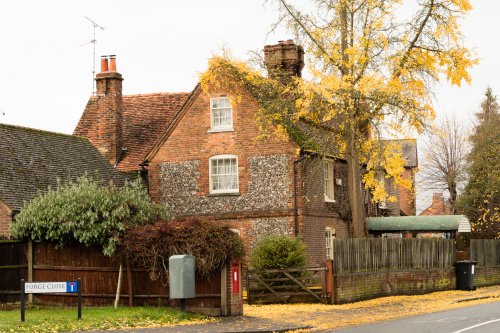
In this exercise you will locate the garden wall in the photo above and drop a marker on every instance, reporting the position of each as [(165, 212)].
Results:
[(369, 268), (486, 276), (486, 253), (351, 287)]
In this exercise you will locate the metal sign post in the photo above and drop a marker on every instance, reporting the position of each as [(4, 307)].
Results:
[(71, 287), (23, 301)]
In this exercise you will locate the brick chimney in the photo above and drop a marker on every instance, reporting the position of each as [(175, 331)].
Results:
[(438, 201), (285, 59), (108, 138), (438, 206)]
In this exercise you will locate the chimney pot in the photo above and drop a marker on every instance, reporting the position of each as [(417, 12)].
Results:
[(104, 63), (112, 63)]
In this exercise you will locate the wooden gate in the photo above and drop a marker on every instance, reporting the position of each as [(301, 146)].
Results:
[(286, 285), (13, 268)]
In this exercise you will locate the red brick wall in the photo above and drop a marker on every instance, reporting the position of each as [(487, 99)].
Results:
[(191, 140), (407, 202), (316, 214), (313, 235), (5, 220), (366, 285), (234, 299), (486, 275)]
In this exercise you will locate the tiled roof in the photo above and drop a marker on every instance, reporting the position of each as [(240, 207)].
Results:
[(408, 149), (31, 160), (145, 118)]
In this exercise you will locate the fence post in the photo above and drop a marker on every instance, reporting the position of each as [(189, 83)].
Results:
[(79, 298), (29, 256), (329, 280), (129, 283)]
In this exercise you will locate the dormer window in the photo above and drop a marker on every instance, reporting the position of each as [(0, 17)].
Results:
[(221, 114)]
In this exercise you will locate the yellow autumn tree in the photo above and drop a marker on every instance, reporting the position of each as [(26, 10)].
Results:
[(373, 66), (372, 71)]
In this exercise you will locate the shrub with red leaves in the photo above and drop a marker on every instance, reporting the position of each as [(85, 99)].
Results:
[(150, 246)]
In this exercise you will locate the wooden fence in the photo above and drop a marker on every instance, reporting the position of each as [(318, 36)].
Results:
[(99, 276), (486, 252), (286, 285), (13, 268), (364, 255)]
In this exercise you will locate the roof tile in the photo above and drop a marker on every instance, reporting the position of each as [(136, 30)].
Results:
[(31, 160), (145, 118)]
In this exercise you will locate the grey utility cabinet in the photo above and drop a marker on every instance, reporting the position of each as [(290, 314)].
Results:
[(181, 276)]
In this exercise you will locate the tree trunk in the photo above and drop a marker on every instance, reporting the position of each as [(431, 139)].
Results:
[(355, 193), (452, 188), (352, 153)]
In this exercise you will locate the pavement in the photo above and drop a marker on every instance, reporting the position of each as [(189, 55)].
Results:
[(240, 324)]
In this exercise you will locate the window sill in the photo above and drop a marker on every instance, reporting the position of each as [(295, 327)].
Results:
[(330, 200), (225, 194), (218, 130)]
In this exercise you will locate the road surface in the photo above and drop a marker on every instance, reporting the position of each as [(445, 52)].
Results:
[(483, 318)]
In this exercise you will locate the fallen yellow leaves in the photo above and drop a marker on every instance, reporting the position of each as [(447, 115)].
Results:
[(323, 316)]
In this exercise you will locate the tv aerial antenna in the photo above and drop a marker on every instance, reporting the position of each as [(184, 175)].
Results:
[(93, 41)]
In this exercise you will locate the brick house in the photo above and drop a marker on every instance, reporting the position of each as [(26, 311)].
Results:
[(406, 203), (32, 160), (438, 206), (202, 158)]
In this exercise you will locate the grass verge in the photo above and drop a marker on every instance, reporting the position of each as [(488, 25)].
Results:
[(55, 319)]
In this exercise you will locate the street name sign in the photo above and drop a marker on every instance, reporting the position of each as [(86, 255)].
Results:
[(71, 287), (50, 287)]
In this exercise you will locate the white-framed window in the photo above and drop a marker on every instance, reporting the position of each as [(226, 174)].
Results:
[(329, 237), (328, 180), (223, 171), (221, 114)]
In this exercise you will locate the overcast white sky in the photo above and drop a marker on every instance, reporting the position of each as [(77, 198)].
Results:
[(161, 46)]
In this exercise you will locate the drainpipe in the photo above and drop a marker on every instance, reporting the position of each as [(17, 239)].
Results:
[(295, 208), (123, 151)]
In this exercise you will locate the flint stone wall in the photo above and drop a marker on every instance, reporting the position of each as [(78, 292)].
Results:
[(269, 187), (270, 226)]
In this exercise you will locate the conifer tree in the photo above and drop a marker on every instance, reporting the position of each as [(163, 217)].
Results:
[(481, 198)]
